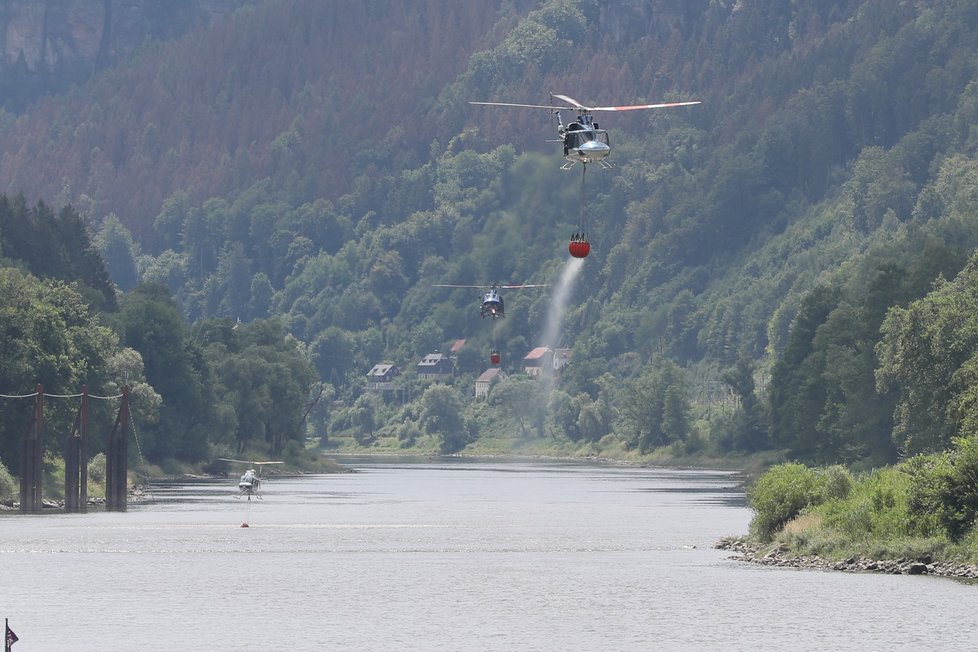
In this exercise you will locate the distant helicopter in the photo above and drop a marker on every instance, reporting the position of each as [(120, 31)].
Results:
[(250, 483), (584, 142), (492, 300)]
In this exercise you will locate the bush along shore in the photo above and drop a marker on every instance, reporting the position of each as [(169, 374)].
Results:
[(780, 555), (918, 517)]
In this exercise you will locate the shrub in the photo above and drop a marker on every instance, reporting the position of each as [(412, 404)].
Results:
[(781, 494), (837, 482), (928, 477), (96, 469), (9, 488), (875, 507), (408, 434), (959, 497)]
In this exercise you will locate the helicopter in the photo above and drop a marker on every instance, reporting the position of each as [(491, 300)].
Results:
[(584, 142), (492, 300), (250, 483)]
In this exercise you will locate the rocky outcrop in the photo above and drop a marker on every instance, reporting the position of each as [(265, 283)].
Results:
[(47, 44), (779, 555), (627, 20)]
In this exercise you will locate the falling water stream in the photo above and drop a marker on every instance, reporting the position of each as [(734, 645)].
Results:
[(558, 303)]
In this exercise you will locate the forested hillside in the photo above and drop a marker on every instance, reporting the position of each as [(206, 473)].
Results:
[(761, 263), (46, 46), (287, 90)]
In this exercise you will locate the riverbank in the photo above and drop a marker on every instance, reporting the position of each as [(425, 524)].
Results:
[(310, 461), (516, 448), (779, 555)]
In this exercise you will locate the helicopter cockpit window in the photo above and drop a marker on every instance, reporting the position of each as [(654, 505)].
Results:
[(575, 139)]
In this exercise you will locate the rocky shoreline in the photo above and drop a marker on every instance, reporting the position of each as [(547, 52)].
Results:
[(780, 556), (136, 494)]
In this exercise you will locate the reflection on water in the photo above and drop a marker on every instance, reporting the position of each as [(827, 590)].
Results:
[(451, 554), (729, 496)]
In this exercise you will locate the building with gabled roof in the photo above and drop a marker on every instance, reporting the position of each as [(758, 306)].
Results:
[(538, 361), (487, 379), (435, 366), (544, 360), (562, 358), (381, 377)]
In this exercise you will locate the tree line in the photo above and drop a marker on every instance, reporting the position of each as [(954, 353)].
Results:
[(197, 389), (751, 255)]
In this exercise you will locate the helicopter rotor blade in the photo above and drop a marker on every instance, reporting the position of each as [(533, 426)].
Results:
[(443, 285), (569, 100), (249, 462), (527, 106), (577, 106), (493, 286), (636, 107)]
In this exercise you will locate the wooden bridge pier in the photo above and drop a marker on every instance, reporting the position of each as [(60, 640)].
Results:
[(117, 460), (76, 460), (32, 458)]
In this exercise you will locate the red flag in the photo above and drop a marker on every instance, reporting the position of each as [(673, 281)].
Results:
[(10, 638)]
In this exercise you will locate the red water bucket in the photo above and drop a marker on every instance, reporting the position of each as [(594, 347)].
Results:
[(579, 248)]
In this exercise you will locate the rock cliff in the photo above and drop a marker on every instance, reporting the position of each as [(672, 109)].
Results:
[(48, 44)]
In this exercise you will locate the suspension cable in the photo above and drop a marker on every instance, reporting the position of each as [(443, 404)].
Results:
[(46, 395), (135, 436), (583, 233)]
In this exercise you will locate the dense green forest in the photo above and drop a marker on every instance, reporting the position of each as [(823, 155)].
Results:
[(784, 269)]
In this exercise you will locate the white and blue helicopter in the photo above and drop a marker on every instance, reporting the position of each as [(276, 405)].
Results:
[(250, 483), (492, 300), (583, 141)]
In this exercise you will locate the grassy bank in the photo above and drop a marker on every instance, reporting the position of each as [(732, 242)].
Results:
[(610, 448), (924, 508), (142, 472)]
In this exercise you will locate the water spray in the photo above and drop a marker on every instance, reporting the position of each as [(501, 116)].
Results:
[(558, 303)]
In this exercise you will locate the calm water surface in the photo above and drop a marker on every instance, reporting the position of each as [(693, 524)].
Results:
[(448, 555)]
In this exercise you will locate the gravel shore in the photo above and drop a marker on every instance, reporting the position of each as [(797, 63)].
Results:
[(778, 555)]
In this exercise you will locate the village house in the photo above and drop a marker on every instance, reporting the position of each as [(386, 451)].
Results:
[(485, 381), (539, 361), (544, 360), (381, 377), (435, 366), (455, 348), (562, 358)]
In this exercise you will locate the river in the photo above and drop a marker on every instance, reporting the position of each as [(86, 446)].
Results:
[(447, 555)]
